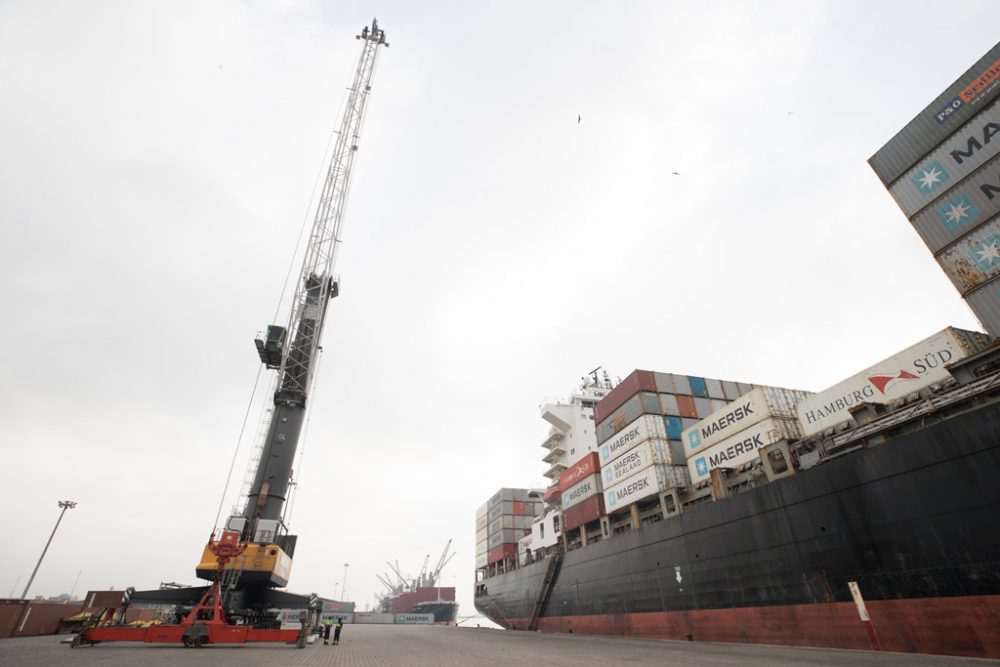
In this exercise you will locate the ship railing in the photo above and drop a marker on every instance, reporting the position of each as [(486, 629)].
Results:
[(918, 409)]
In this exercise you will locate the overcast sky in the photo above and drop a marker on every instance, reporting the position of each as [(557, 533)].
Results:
[(158, 160)]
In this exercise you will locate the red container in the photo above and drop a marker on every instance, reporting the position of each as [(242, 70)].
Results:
[(103, 599), (501, 552), (637, 381), (10, 614), (552, 494), (685, 406), (589, 510), (588, 465), (42, 618), (518, 509)]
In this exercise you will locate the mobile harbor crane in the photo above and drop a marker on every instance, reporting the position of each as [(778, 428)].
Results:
[(252, 556)]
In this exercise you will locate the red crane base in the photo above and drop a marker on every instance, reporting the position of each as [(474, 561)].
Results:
[(205, 624), (191, 635)]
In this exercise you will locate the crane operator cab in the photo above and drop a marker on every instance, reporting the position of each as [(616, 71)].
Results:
[(267, 559)]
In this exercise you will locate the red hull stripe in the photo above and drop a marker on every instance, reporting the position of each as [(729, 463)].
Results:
[(964, 626)]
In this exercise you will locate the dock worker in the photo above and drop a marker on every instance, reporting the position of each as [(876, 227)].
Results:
[(336, 630), (327, 624)]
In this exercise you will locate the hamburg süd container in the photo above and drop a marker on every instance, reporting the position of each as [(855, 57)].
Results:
[(903, 373), (640, 430), (580, 491), (635, 460), (757, 405), (583, 513), (743, 447), (585, 467), (649, 482)]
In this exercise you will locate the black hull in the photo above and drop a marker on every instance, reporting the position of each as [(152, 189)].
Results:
[(915, 518), (444, 611)]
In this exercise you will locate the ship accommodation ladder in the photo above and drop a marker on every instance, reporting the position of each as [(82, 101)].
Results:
[(543, 594)]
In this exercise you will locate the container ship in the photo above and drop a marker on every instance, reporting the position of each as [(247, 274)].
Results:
[(879, 531), (862, 517)]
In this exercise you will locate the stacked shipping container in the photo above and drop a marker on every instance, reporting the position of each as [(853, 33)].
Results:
[(502, 522), (639, 429), (943, 170), (916, 367), (734, 436), (581, 492)]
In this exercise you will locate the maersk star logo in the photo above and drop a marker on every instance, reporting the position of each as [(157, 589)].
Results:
[(957, 212), (986, 255), (610, 499), (694, 439), (930, 177), (701, 465)]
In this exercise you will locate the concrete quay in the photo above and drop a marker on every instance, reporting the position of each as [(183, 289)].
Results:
[(436, 646)]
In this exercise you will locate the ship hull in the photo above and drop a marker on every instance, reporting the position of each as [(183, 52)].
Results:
[(445, 612), (913, 521)]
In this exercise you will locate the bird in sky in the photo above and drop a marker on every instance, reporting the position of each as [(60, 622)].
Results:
[(676, 173), (578, 119)]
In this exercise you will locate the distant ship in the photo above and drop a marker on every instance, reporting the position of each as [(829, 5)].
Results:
[(420, 595)]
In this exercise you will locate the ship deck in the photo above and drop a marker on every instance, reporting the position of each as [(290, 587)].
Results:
[(422, 646)]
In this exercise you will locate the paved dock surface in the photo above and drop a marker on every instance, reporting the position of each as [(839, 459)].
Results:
[(426, 646)]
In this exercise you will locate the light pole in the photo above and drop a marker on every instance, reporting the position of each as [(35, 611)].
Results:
[(65, 505), (343, 588)]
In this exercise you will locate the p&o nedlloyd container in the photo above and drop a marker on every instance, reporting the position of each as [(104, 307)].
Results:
[(755, 406), (915, 368)]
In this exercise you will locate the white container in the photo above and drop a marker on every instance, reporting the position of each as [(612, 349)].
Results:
[(481, 512), (742, 448), (640, 430), (582, 490), (905, 372), (481, 534), (634, 461), (414, 619), (373, 617), (650, 482), (750, 409), (481, 560), (482, 521)]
